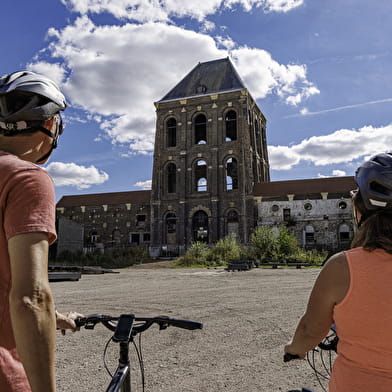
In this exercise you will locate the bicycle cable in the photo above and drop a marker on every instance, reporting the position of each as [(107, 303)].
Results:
[(139, 354), (104, 357)]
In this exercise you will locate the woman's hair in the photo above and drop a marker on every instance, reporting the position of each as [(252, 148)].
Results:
[(375, 230)]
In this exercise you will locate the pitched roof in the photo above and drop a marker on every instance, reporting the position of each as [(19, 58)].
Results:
[(213, 76), (275, 189), (98, 199)]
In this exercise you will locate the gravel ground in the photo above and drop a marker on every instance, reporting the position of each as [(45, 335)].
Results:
[(247, 316)]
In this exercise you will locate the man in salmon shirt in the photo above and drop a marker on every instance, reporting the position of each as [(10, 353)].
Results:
[(354, 291), (30, 124)]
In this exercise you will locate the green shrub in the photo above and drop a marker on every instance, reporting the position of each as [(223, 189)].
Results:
[(264, 242), (226, 249), (195, 255)]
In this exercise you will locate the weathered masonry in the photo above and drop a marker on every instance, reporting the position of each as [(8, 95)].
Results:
[(210, 178), (210, 150)]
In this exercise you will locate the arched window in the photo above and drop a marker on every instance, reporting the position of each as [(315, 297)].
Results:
[(231, 125), (309, 234), (200, 129), (93, 236), (171, 228), (200, 226), (344, 233), (171, 178), (231, 174), (171, 132), (232, 222), (258, 137), (200, 171), (116, 236)]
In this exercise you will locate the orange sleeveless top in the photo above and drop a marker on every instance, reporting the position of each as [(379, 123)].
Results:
[(364, 325)]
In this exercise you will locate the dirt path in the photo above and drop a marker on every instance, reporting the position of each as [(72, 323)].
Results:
[(247, 316)]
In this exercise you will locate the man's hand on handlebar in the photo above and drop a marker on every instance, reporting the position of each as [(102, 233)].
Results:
[(66, 321), (290, 353)]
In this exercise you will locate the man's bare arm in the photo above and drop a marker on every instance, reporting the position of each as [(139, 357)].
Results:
[(32, 308)]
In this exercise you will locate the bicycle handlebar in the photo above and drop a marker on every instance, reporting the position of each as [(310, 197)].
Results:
[(288, 357), (90, 321)]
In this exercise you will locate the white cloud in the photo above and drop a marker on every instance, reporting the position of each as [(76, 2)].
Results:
[(117, 72), (145, 185), (338, 173), (162, 10), (282, 5), (342, 146), (53, 71), (263, 75), (70, 174)]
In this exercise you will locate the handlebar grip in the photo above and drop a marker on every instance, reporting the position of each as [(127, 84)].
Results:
[(288, 357), (185, 324), (80, 321)]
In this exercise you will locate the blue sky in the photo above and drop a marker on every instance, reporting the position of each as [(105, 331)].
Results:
[(320, 71)]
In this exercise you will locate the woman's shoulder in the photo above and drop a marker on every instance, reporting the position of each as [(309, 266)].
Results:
[(336, 271)]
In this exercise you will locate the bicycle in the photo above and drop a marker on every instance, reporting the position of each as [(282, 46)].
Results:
[(321, 356), (125, 328)]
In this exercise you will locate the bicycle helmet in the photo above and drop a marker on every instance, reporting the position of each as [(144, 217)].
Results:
[(374, 180), (27, 96)]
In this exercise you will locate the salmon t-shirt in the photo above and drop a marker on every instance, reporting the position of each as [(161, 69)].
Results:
[(27, 204), (364, 325)]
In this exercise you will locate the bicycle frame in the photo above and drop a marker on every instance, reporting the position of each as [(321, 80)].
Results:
[(121, 380)]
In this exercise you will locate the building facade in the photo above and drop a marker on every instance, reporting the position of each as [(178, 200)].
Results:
[(211, 178)]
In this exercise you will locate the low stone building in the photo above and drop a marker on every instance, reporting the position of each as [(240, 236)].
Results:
[(116, 219), (317, 211)]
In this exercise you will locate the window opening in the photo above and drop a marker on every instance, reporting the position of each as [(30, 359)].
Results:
[(233, 223), (344, 233), (171, 222), (286, 214), (171, 129), (309, 234), (171, 178), (201, 176), (231, 125), (231, 174), (200, 129), (200, 226), (342, 205), (116, 235), (135, 238)]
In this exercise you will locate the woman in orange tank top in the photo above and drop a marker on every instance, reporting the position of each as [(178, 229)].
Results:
[(354, 291)]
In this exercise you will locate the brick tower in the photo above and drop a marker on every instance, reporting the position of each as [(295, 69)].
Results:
[(210, 149)]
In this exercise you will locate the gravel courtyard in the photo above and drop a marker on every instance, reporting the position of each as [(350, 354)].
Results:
[(247, 316)]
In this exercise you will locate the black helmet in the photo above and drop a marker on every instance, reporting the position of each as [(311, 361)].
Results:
[(374, 179), (27, 96)]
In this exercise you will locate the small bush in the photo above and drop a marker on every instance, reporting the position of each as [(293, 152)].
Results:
[(195, 255), (226, 249)]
